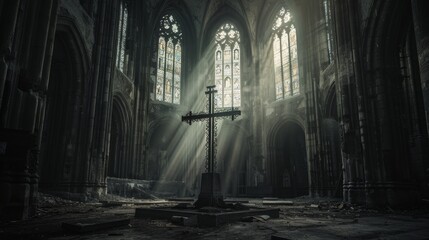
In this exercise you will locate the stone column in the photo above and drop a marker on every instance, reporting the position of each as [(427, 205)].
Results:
[(346, 88), (25, 108), (9, 14), (101, 99), (43, 87), (421, 29)]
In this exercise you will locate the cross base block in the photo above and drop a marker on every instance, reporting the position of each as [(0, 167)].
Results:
[(211, 193)]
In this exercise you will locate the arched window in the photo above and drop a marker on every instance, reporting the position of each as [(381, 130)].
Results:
[(121, 56), (227, 66), (286, 72), (328, 29), (169, 70)]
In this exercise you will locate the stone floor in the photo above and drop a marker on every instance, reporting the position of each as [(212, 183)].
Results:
[(306, 218)]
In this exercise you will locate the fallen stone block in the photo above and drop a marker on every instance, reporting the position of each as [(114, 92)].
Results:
[(239, 206), (89, 225), (259, 218)]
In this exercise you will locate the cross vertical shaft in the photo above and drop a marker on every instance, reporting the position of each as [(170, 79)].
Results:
[(211, 130)]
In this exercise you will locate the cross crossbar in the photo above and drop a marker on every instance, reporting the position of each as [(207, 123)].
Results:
[(189, 118)]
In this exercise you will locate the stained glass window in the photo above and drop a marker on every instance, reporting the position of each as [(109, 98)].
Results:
[(122, 36), (227, 66), (328, 21), (286, 70), (169, 71)]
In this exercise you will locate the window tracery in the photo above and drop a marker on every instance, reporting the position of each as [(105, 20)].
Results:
[(227, 66), (169, 71), (286, 70)]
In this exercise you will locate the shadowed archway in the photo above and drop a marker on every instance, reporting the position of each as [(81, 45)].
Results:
[(120, 162), (290, 171), (62, 144)]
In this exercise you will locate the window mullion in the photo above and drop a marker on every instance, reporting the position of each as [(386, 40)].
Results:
[(290, 65), (281, 65), (123, 36), (172, 74), (223, 74), (165, 68), (121, 14), (232, 75)]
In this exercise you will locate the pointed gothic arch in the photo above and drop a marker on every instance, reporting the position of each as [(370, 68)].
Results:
[(188, 38), (390, 139), (281, 43), (208, 49), (120, 162), (224, 15), (62, 146), (288, 168)]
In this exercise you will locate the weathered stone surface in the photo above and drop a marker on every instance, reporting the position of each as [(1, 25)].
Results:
[(210, 218)]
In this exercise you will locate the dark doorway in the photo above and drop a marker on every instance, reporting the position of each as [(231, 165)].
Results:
[(60, 148), (291, 171), (117, 164)]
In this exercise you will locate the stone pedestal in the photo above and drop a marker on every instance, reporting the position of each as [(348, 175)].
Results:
[(211, 193)]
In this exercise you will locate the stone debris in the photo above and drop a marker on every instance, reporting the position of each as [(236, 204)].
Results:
[(298, 221), (47, 200), (239, 207), (259, 218)]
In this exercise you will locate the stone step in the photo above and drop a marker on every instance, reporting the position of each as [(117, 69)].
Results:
[(277, 202)]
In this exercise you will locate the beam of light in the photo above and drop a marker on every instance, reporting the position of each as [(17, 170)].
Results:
[(186, 145)]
